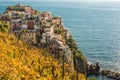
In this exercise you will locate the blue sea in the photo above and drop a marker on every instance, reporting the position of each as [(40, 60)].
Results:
[(95, 27)]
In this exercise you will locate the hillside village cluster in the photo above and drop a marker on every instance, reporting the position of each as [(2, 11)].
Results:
[(46, 32), (38, 28)]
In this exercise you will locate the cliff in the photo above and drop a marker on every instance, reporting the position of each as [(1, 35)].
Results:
[(20, 61), (43, 50)]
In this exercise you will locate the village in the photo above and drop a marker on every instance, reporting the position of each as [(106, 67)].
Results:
[(40, 29), (45, 31)]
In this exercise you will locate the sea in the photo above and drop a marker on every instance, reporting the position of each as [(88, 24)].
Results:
[(95, 26)]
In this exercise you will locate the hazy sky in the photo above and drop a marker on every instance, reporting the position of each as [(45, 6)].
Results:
[(88, 0), (101, 0), (65, 0), (81, 0)]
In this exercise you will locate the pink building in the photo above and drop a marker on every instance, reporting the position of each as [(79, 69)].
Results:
[(16, 24), (29, 10), (46, 15)]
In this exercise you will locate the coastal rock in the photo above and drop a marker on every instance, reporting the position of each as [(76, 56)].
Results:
[(95, 70)]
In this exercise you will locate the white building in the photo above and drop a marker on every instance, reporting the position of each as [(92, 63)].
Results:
[(46, 37)]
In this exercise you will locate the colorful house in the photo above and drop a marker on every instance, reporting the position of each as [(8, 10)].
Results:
[(4, 17), (46, 15), (29, 10), (48, 27), (46, 37), (16, 24), (28, 36), (30, 24), (28, 15), (56, 20)]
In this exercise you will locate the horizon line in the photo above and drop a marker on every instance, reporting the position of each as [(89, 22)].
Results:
[(69, 0)]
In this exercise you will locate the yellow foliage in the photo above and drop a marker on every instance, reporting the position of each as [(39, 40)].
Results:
[(19, 61)]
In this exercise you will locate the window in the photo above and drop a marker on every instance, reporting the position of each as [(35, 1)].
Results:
[(49, 40)]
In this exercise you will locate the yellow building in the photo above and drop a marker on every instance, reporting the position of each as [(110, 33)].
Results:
[(28, 36), (56, 20)]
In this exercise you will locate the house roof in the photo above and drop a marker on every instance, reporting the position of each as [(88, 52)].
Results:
[(28, 13), (56, 17), (54, 40), (48, 34), (29, 10), (58, 36), (63, 47), (24, 26), (48, 25), (15, 20), (45, 12), (28, 31), (4, 15)]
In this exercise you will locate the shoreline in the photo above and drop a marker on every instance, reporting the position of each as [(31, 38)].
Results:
[(100, 77), (94, 70)]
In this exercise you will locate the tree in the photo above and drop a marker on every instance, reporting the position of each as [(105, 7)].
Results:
[(4, 27)]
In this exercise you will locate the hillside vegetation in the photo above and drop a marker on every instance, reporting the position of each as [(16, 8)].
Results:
[(19, 61), (78, 58), (3, 27)]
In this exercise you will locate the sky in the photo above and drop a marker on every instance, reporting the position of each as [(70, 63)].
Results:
[(80, 0), (100, 0), (66, 0), (87, 0)]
